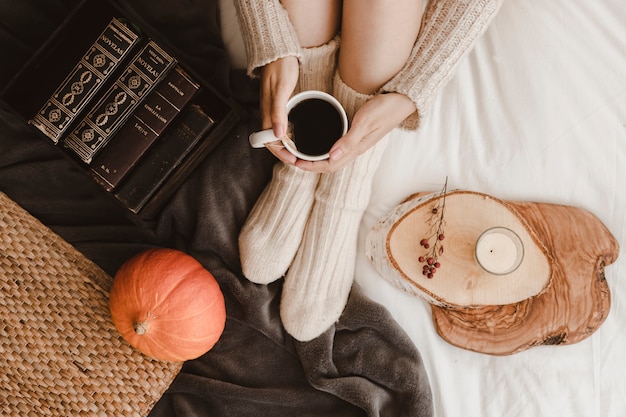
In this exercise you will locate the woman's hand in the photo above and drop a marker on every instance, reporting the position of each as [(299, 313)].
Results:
[(377, 117), (278, 81)]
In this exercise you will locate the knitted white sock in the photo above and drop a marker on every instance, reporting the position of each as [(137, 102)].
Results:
[(318, 67), (318, 282), (272, 232)]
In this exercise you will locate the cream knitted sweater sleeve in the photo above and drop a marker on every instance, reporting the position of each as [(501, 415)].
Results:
[(448, 31), (267, 33)]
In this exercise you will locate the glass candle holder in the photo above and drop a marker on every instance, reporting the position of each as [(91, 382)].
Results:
[(499, 250)]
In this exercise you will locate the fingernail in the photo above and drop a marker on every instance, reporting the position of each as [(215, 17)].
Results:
[(336, 154), (279, 131)]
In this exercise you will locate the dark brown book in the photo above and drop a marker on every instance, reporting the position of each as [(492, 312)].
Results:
[(85, 80), (148, 122), (51, 65), (145, 71), (164, 157)]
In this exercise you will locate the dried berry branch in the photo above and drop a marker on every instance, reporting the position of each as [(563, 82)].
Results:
[(436, 234)]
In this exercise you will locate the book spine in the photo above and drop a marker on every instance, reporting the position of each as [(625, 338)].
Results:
[(145, 71), (96, 66), (164, 157), (150, 119)]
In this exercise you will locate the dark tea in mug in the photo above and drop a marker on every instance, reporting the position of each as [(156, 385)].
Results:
[(315, 126)]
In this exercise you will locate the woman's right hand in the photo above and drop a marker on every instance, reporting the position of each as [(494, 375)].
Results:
[(278, 81)]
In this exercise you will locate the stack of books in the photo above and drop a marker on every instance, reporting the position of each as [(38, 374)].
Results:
[(131, 115)]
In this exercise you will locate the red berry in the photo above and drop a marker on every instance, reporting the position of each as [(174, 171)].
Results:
[(421, 259), (437, 265), (434, 210), (426, 245), (430, 275), (424, 242), (442, 236), (431, 261)]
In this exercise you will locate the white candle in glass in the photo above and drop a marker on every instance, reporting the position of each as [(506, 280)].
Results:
[(499, 250)]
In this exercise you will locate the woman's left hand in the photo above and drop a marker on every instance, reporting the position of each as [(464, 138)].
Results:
[(377, 117)]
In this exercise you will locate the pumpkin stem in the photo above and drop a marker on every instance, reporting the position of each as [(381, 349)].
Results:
[(140, 327)]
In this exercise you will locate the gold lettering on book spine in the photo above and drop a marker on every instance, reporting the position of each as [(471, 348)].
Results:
[(113, 45), (88, 76), (149, 68)]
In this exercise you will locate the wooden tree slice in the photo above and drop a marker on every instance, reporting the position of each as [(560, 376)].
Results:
[(572, 307), (558, 295), (461, 281)]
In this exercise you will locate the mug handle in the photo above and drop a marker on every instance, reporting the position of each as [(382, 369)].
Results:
[(259, 139)]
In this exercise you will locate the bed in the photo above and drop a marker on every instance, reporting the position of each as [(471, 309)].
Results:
[(536, 112)]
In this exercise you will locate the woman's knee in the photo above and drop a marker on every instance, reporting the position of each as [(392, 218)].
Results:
[(316, 22), (377, 37)]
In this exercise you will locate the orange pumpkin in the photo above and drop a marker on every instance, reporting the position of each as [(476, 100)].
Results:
[(167, 305)]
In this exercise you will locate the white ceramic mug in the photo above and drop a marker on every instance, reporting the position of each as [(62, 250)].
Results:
[(316, 126)]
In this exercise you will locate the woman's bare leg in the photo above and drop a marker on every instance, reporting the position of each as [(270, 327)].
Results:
[(377, 37), (316, 21), (376, 40)]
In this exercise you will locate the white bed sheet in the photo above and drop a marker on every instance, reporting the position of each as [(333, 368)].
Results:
[(536, 112)]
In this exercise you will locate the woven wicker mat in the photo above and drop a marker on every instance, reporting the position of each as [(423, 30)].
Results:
[(60, 354)]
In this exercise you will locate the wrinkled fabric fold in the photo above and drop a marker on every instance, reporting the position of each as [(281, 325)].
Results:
[(256, 368)]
